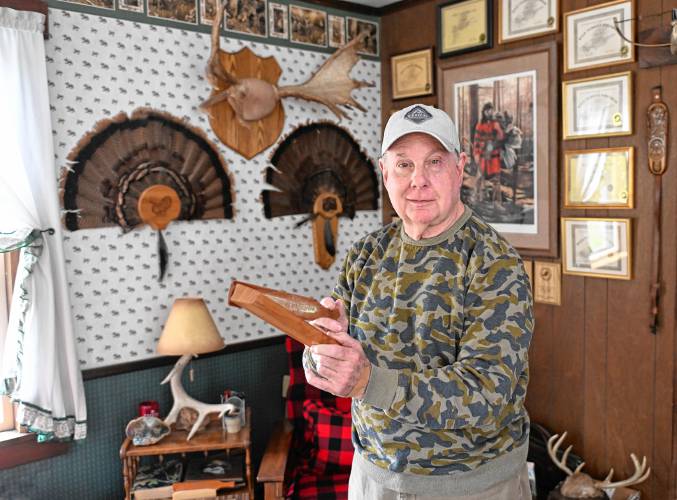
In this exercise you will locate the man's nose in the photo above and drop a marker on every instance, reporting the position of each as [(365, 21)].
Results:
[(419, 178)]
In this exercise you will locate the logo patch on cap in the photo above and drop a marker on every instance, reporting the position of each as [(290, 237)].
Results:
[(418, 115)]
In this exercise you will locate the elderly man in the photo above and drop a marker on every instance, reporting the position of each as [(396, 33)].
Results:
[(435, 323)]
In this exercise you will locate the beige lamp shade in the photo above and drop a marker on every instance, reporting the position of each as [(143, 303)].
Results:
[(189, 329)]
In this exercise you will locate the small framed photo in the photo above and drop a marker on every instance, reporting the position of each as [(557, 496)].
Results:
[(246, 16), (308, 26), (278, 17), (599, 178), (356, 27), (597, 107), (182, 11), (207, 11), (464, 26), (131, 5), (337, 31), (412, 74), (591, 39), (597, 247), (520, 19)]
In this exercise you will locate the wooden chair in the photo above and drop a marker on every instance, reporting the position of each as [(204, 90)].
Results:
[(309, 454)]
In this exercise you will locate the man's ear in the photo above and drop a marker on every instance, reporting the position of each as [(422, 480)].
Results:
[(384, 170), (460, 164)]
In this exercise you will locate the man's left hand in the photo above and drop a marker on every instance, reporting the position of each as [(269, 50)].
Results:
[(344, 369)]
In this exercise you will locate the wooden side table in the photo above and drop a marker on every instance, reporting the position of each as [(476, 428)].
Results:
[(213, 438)]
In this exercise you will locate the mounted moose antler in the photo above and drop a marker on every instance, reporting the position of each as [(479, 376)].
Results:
[(253, 99), (580, 485)]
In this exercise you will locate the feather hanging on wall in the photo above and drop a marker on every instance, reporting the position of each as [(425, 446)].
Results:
[(320, 171), (149, 167)]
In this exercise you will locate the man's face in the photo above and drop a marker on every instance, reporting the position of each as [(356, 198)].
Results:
[(423, 181), (488, 113)]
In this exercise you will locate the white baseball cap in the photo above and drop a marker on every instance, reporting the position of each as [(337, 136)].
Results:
[(425, 119)]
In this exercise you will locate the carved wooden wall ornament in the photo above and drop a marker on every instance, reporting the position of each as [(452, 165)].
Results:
[(149, 168), (320, 171), (245, 109), (657, 129)]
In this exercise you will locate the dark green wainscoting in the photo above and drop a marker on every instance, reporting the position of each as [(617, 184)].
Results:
[(91, 469)]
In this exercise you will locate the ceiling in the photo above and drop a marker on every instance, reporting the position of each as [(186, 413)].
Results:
[(374, 3)]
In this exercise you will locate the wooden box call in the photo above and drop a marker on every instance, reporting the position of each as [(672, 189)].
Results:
[(288, 312)]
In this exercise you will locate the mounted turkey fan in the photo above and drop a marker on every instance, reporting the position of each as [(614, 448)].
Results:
[(148, 168), (321, 171)]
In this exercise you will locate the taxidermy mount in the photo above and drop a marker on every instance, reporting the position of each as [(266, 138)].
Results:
[(147, 168), (319, 170), (580, 485), (245, 109)]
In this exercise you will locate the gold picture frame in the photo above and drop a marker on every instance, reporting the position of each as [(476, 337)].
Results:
[(412, 74), (590, 37), (464, 26), (599, 178), (522, 19), (597, 106), (600, 248)]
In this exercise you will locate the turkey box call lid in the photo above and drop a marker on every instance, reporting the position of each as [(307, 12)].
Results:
[(285, 311)]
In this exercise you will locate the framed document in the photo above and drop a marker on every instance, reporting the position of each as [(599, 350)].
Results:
[(504, 106), (519, 19), (464, 26), (599, 178), (597, 107), (412, 74), (597, 247), (591, 39)]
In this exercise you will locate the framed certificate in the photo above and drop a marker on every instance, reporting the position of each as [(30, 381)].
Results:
[(597, 247), (591, 39), (464, 26), (599, 178), (412, 74), (597, 107), (519, 19)]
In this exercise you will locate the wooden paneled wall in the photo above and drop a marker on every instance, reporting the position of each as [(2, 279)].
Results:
[(596, 370)]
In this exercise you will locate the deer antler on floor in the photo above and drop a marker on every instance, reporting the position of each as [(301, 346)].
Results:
[(253, 99)]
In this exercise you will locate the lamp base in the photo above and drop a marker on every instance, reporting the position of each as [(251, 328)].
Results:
[(183, 400)]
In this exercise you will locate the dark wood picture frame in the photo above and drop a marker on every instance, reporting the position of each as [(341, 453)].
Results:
[(543, 243), (488, 19)]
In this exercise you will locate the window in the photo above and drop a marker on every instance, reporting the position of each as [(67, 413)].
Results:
[(8, 265)]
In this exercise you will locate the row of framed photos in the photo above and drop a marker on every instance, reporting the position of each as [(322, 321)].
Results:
[(260, 18), (596, 36)]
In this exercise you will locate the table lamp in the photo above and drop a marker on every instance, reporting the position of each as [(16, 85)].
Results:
[(189, 331)]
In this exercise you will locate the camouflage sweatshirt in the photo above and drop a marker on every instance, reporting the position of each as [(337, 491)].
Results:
[(446, 324)]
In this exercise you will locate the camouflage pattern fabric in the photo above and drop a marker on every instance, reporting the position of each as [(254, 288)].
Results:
[(446, 323)]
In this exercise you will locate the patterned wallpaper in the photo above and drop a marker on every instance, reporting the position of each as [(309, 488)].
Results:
[(98, 66)]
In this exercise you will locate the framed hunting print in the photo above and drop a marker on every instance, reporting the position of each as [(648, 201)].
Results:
[(504, 108)]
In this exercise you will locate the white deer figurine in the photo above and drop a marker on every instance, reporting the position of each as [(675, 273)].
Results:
[(182, 399)]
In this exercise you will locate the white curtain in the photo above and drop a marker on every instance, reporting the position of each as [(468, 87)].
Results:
[(40, 365)]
